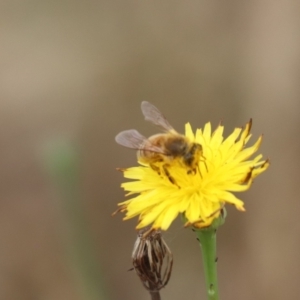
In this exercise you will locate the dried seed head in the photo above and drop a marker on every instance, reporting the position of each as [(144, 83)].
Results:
[(152, 259)]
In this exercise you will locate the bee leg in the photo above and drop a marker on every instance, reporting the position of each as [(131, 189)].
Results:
[(155, 168), (198, 167), (204, 163), (194, 171), (189, 172), (171, 179)]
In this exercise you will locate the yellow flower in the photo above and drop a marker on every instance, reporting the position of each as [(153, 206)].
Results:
[(225, 166)]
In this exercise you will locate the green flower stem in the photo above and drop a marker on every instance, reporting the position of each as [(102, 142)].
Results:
[(207, 238)]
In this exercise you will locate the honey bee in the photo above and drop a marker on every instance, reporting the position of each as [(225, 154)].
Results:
[(160, 149)]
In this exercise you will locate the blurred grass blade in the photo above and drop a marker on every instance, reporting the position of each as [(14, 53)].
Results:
[(63, 164)]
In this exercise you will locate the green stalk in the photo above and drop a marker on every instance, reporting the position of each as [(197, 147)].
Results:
[(207, 239), (63, 163)]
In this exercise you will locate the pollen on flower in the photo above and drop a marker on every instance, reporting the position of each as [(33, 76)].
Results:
[(162, 190)]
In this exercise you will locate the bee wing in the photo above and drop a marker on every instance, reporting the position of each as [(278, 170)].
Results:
[(133, 139), (153, 115)]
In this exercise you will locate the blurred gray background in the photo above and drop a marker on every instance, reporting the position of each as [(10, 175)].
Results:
[(77, 71)]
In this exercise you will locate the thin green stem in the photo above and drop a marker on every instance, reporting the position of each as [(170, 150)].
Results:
[(207, 239)]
